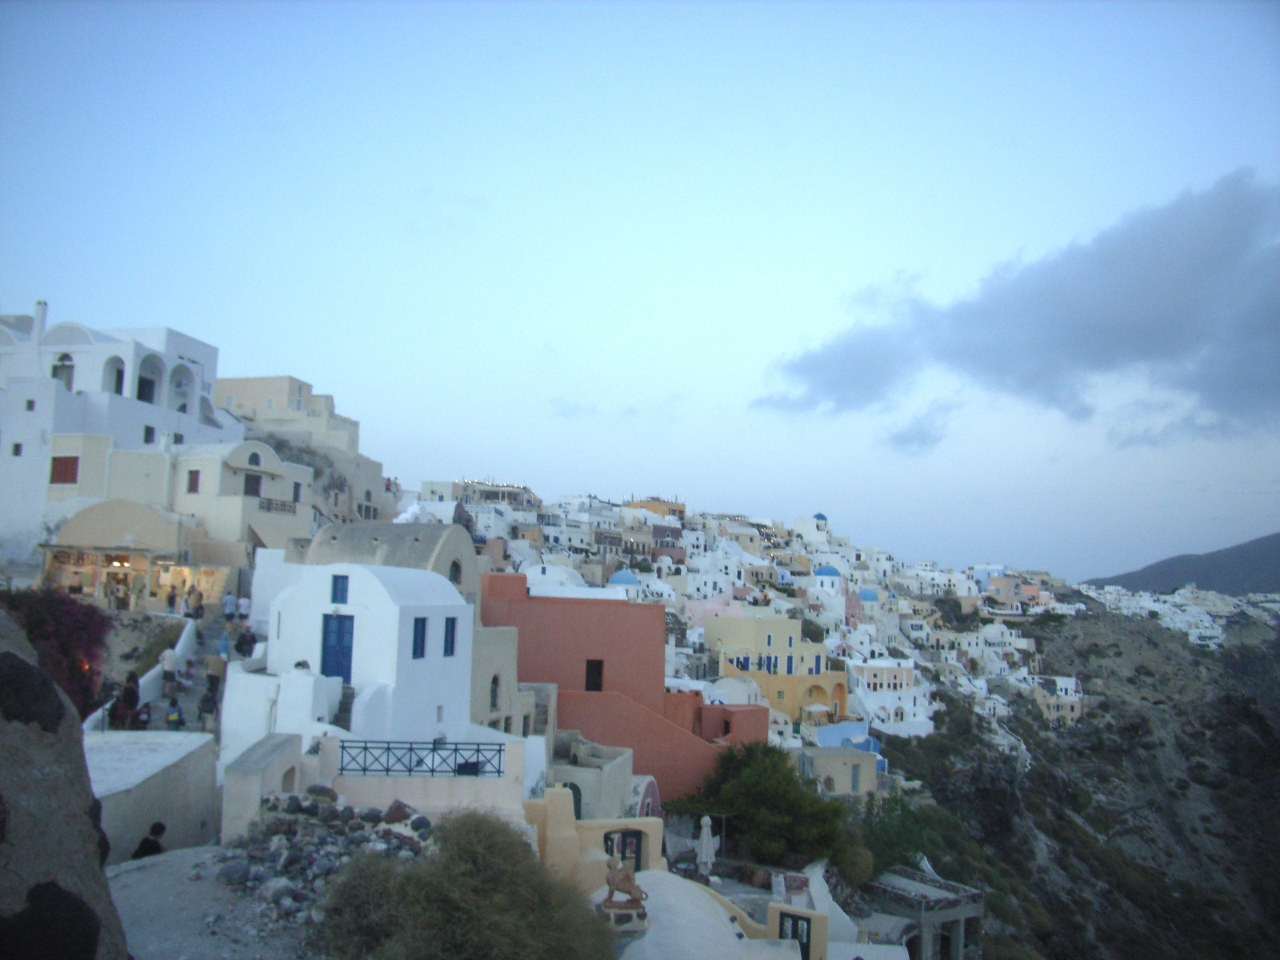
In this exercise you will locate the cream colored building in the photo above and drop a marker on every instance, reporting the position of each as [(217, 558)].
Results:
[(838, 771), (349, 485)]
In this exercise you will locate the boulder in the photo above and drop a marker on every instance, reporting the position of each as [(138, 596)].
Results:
[(398, 812), (321, 792), (293, 805), (234, 874), (276, 889), (420, 823), (371, 815), (54, 900)]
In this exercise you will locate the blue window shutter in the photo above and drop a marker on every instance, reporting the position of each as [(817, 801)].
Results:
[(419, 637), (338, 589), (450, 635)]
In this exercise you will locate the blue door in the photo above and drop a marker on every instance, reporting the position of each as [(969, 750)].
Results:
[(335, 649)]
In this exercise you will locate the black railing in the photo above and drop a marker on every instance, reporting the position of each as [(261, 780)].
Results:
[(420, 759), (267, 505)]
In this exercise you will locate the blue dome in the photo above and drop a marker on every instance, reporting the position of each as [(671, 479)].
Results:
[(826, 570), (624, 578), (866, 593), (820, 516)]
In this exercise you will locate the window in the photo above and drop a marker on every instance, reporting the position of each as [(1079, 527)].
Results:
[(779, 694), (368, 496), (525, 726), (338, 588), (253, 485), (193, 481), (255, 460), (230, 400), (148, 434), (271, 403), (179, 438), (450, 635), (17, 449), (455, 572), (419, 637), (65, 470), (31, 405), (439, 713), (146, 390), (506, 724), (768, 639), (595, 676), (493, 693)]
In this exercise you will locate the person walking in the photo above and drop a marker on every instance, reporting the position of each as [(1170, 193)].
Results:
[(169, 671), (173, 718), (171, 598), (228, 606), (242, 608), (215, 668), (224, 646)]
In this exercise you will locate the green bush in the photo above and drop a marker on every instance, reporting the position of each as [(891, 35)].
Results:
[(481, 894), (771, 812)]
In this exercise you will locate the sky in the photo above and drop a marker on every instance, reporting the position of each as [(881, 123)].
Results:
[(980, 282)]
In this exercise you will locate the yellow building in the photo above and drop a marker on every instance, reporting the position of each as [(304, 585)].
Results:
[(665, 508)]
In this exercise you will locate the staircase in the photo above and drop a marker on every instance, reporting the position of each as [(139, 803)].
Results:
[(343, 717)]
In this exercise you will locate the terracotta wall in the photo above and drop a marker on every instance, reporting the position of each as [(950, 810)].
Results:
[(558, 635), (747, 723), (677, 759)]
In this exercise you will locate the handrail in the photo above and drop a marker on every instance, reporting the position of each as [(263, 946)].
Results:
[(420, 759)]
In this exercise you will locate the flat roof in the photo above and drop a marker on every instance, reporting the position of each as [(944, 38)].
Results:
[(119, 760)]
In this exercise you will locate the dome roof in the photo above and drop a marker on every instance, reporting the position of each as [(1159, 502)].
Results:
[(820, 516), (624, 578), (866, 593), (826, 570)]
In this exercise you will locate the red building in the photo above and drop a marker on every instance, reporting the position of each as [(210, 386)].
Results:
[(607, 659)]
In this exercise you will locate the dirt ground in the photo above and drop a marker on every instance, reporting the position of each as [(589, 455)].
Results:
[(174, 908)]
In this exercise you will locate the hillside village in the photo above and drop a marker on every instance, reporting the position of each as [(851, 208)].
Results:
[(348, 648)]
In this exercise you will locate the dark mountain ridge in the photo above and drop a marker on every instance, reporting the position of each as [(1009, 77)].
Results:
[(1252, 567)]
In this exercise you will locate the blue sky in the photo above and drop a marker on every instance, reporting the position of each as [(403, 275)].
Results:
[(773, 258)]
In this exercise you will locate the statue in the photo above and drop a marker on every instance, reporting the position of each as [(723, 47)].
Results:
[(622, 879), (705, 847)]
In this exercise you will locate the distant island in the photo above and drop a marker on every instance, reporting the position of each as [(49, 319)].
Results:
[(1252, 567)]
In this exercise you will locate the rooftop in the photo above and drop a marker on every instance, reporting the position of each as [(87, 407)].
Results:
[(119, 760)]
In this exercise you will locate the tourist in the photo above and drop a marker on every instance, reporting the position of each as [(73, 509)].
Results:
[(184, 608), (228, 606), (122, 711), (242, 608), (215, 668), (196, 600), (168, 670), (173, 718), (224, 646), (150, 845), (171, 599)]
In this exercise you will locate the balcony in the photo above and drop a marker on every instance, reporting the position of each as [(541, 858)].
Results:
[(267, 505), (412, 759)]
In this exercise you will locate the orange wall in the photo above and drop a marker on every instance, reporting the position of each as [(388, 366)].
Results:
[(677, 759), (747, 724), (558, 635)]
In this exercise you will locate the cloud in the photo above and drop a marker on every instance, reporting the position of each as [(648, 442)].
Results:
[(572, 409), (1185, 296), (925, 431)]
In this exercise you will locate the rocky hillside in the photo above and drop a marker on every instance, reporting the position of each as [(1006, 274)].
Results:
[(1252, 567), (1148, 830)]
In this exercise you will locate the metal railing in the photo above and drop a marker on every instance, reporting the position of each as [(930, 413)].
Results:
[(267, 505), (422, 759)]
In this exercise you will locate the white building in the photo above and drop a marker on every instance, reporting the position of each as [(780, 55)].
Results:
[(70, 396)]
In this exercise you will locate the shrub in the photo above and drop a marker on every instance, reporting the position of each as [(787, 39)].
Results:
[(69, 637), (481, 894), (772, 812)]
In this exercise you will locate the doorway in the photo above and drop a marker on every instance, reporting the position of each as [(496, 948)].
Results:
[(335, 649), (626, 845), (793, 926)]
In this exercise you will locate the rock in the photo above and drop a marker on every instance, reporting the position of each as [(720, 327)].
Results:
[(234, 874), (293, 805), (321, 792), (273, 891), (288, 859), (424, 835), (376, 846), (54, 900), (327, 813), (419, 824), (405, 854), (311, 808), (398, 812), (323, 866), (278, 843), (371, 815), (347, 814)]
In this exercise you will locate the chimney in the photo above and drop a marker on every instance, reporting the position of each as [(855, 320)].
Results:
[(42, 308)]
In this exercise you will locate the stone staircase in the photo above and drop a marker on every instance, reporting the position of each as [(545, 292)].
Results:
[(343, 717)]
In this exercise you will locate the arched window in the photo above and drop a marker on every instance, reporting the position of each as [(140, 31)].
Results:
[(455, 572), (255, 460), (64, 370), (113, 376), (493, 693)]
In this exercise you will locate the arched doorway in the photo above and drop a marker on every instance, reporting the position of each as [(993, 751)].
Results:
[(113, 376)]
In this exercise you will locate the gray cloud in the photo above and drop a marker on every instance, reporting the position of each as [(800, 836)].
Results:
[(925, 431), (1187, 295)]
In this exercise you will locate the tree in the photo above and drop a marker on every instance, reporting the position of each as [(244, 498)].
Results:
[(481, 893), (812, 631), (69, 637), (772, 812)]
